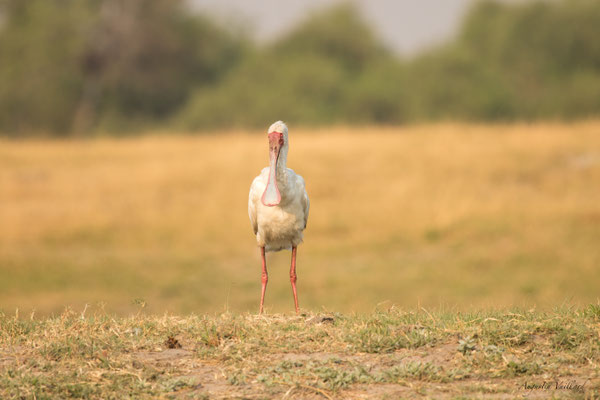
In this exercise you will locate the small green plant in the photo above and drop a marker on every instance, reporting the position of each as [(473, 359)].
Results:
[(514, 368), (593, 311), (566, 338), (466, 345)]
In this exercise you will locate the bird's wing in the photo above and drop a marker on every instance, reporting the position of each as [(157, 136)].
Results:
[(304, 201), (253, 198)]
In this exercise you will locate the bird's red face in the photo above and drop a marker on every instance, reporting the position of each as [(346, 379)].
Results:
[(275, 143), (271, 197)]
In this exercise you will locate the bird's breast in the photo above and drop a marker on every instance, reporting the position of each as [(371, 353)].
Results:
[(280, 220)]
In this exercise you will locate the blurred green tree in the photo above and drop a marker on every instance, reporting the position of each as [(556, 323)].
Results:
[(545, 55), (305, 77), (72, 65), (40, 78), (145, 56)]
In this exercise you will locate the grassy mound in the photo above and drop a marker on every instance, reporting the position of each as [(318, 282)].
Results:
[(395, 353)]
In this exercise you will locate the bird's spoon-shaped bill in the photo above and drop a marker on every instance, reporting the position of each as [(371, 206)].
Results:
[(271, 196)]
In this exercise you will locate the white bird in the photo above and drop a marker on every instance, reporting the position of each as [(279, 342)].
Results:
[(278, 206)]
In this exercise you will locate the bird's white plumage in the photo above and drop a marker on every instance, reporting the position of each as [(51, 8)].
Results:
[(279, 227)]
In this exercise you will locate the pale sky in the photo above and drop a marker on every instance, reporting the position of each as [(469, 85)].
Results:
[(405, 26)]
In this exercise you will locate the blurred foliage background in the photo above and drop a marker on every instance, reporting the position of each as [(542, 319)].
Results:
[(79, 67)]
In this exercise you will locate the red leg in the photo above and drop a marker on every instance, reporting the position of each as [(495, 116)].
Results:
[(293, 278), (265, 279)]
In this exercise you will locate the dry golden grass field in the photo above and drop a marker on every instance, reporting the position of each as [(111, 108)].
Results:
[(455, 217)]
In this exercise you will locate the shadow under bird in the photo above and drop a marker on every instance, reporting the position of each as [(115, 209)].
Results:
[(278, 206)]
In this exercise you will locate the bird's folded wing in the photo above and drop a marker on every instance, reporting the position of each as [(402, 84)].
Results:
[(253, 198), (304, 200)]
